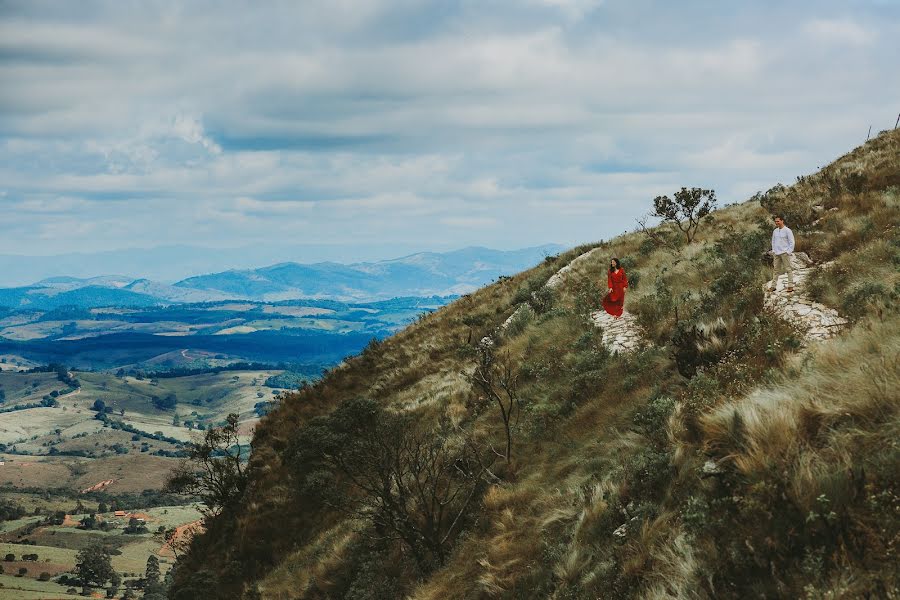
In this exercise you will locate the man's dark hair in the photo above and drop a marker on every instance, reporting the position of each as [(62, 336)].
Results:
[(618, 265), (778, 216)]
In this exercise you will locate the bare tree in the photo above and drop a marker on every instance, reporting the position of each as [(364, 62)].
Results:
[(660, 238), (685, 210), (498, 381), (214, 469), (410, 485)]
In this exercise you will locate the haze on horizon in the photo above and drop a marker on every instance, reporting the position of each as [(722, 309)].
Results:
[(351, 128)]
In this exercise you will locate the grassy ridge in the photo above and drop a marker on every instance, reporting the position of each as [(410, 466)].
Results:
[(740, 464)]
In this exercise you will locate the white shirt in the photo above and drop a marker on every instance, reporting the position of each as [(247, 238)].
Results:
[(782, 240)]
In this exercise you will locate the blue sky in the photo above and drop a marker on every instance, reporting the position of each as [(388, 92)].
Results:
[(429, 125)]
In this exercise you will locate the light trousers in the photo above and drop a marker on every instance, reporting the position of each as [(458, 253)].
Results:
[(782, 264)]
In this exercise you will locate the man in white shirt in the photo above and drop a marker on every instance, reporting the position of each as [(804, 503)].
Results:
[(782, 248)]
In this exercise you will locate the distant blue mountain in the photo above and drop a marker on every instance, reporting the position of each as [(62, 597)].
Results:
[(423, 274), (92, 296)]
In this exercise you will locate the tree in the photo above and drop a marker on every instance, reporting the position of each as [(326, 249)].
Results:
[(167, 403), (151, 574), (99, 406), (93, 566), (685, 210), (214, 469), (88, 522), (411, 485), (153, 587), (135, 525), (498, 381)]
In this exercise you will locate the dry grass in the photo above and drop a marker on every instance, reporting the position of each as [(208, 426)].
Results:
[(844, 402)]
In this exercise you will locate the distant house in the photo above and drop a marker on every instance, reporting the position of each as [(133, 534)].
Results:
[(120, 513), (2, 463)]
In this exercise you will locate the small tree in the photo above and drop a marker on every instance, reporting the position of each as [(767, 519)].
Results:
[(685, 210), (152, 585), (135, 525), (151, 574), (498, 381), (214, 469), (93, 566), (410, 485)]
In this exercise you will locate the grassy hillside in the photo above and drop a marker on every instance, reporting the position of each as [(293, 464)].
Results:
[(726, 458)]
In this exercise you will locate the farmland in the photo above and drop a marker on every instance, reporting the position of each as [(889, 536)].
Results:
[(107, 444)]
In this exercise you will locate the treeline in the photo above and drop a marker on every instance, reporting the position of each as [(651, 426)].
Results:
[(149, 498), (123, 426), (62, 373)]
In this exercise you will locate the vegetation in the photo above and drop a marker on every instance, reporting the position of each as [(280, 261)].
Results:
[(214, 470), (685, 210), (727, 458), (94, 567)]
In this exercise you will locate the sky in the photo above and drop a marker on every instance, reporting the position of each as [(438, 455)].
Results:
[(365, 125)]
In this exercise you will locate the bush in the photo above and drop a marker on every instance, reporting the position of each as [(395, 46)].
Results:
[(860, 298), (651, 419), (796, 208), (519, 321), (542, 300)]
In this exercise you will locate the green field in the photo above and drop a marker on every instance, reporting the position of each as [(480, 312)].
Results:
[(26, 588), (57, 547)]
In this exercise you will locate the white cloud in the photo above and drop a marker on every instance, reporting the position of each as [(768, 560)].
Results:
[(839, 31), (411, 121)]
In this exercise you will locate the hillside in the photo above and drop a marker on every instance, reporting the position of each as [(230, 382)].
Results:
[(726, 449)]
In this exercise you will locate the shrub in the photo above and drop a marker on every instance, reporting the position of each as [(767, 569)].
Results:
[(519, 321), (542, 300), (796, 208)]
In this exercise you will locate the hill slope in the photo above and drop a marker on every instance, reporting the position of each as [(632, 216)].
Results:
[(725, 456)]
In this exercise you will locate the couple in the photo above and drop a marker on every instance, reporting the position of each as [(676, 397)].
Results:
[(782, 248)]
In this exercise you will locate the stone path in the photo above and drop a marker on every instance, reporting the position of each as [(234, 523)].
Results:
[(560, 275), (817, 320), (619, 335)]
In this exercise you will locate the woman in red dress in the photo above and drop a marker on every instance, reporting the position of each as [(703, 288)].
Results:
[(616, 281)]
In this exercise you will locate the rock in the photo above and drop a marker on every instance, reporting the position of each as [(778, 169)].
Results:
[(711, 467), (621, 531)]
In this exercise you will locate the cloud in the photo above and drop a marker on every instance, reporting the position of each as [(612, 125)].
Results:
[(839, 31), (414, 122)]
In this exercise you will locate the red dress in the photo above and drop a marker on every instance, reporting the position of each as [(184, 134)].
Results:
[(615, 300)]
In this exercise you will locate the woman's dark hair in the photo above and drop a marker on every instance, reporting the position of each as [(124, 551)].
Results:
[(618, 265)]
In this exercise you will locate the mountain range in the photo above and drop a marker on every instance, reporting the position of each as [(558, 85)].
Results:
[(421, 274)]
